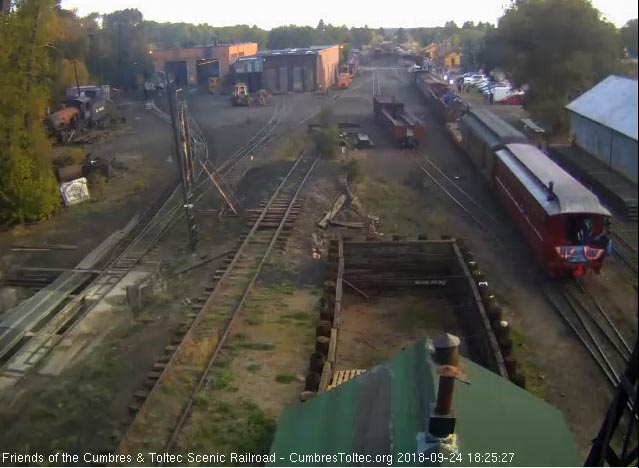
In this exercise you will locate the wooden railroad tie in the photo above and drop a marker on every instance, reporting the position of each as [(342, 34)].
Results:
[(342, 376)]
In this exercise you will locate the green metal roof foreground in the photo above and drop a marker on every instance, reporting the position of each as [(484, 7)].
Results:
[(384, 412)]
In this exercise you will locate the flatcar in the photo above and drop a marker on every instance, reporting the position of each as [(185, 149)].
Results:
[(563, 222)]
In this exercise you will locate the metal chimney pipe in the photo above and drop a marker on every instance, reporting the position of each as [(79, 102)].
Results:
[(447, 354)]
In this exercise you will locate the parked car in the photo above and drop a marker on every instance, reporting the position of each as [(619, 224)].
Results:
[(513, 99), (474, 79), (413, 68), (486, 89)]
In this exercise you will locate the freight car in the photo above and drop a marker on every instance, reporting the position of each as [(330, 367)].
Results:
[(406, 129), (448, 105), (563, 222)]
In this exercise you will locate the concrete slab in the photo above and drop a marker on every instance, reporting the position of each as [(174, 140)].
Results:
[(106, 315)]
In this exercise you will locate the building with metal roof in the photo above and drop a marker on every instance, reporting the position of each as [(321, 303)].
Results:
[(313, 68), (604, 123), (556, 191), (386, 414)]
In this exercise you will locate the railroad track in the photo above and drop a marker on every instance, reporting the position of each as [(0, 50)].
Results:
[(377, 84), (153, 224), (163, 408), (591, 324), (471, 209), (229, 168), (623, 248)]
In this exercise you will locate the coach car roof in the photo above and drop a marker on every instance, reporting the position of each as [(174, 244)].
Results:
[(491, 129), (535, 171)]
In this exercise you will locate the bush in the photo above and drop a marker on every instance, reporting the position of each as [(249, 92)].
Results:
[(355, 172), (28, 190), (325, 117), (326, 142)]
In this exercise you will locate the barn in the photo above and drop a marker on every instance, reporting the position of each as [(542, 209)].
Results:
[(604, 123)]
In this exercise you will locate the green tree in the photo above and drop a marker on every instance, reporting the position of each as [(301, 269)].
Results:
[(291, 36), (361, 37), (629, 36), (401, 36), (28, 190), (125, 43), (557, 47)]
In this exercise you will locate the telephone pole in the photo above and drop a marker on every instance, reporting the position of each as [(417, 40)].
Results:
[(180, 159)]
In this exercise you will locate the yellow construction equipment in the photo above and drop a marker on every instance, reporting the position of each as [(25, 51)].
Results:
[(214, 85), (240, 95), (263, 97)]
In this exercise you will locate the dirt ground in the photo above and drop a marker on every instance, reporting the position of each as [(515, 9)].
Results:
[(373, 330)]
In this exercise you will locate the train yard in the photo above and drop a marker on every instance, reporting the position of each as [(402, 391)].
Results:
[(204, 363)]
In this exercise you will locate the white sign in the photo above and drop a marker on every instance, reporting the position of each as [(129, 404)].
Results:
[(74, 192)]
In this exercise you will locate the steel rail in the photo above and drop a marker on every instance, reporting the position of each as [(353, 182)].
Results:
[(603, 313), (461, 190), (579, 335), (453, 198), (203, 379)]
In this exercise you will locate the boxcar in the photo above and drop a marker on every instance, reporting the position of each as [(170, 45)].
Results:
[(563, 222)]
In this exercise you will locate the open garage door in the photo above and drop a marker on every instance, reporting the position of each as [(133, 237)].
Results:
[(178, 70), (205, 69)]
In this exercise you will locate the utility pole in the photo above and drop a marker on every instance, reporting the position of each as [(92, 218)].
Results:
[(75, 70), (180, 161)]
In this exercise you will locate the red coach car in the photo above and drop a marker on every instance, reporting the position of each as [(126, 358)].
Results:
[(563, 222)]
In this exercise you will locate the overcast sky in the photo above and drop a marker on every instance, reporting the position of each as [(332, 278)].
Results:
[(375, 13)]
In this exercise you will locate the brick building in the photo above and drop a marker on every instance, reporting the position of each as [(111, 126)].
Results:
[(195, 65)]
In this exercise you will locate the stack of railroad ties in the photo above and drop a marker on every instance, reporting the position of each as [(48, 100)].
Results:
[(564, 223)]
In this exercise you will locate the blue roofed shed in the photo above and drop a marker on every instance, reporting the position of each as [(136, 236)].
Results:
[(385, 412), (604, 123)]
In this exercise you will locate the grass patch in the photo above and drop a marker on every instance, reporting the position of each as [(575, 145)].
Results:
[(70, 413), (258, 346), (253, 367), (526, 367), (242, 427), (296, 316), (395, 204), (284, 378), (240, 336), (222, 379)]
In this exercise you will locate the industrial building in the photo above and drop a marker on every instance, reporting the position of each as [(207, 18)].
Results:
[(195, 65), (292, 70), (604, 123)]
